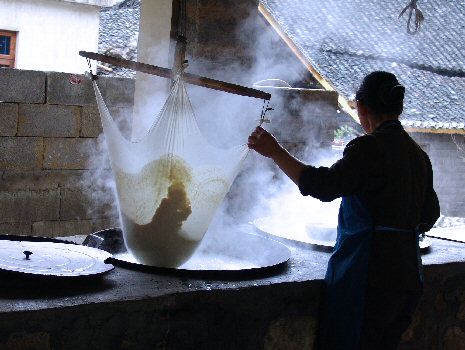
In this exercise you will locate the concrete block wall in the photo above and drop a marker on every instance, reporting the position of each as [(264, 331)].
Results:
[(49, 132), (448, 162)]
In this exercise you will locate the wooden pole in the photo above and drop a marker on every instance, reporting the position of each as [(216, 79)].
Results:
[(179, 53), (187, 77), (178, 41)]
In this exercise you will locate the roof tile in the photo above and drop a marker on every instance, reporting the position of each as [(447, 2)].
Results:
[(345, 40)]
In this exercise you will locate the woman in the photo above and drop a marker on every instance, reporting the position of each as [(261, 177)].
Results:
[(373, 281)]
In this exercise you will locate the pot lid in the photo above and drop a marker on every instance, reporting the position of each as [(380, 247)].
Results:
[(52, 259)]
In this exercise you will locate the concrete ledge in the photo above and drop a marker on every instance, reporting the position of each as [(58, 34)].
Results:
[(116, 92), (136, 310), (61, 92), (163, 312), (226, 319), (24, 86)]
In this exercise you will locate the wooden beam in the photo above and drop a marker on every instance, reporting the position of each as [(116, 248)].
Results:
[(178, 41), (179, 53), (187, 77), (435, 131)]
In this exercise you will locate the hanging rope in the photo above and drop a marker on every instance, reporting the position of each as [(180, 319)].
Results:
[(75, 79), (265, 109), (413, 9), (91, 75)]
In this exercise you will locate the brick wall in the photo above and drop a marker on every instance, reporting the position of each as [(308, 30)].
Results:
[(48, 137)]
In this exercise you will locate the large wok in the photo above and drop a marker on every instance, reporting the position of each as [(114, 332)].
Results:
[(312, 233)]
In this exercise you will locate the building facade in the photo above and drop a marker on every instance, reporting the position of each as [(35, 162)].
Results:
[(47, 35)]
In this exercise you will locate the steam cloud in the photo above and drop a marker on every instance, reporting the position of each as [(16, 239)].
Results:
[(226, 120)]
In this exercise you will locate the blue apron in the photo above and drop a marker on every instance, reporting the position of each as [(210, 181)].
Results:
[(342, 310), (341, 319)]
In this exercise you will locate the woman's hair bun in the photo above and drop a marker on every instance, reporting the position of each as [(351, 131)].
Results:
[(382, 93), (396, 95)]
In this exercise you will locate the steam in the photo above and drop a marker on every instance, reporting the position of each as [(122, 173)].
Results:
[(226, 120), (261, 190), (98, 184)]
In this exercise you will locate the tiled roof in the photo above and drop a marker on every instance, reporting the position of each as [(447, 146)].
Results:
[(345, 40), (119, 30)]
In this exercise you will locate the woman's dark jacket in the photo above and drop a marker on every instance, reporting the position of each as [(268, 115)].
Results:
[(386, 183)]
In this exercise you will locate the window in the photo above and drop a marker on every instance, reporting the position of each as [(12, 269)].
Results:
[(7, 48)]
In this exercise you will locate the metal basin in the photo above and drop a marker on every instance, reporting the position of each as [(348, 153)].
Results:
[(315, 234), (219, 252)]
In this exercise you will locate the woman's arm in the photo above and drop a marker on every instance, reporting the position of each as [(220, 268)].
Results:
[(345, 177), (266, 144)]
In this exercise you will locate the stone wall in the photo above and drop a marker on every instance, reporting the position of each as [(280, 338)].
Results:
[(231, 35), (448, 160), (49, 132)]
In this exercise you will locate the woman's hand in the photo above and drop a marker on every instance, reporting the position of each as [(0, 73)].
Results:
[(264, 143)]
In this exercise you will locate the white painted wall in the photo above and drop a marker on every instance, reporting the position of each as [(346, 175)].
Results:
[(51, 33)]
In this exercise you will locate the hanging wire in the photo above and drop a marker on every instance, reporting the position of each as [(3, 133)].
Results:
[(265, 109), (419, 18), (90, 74)]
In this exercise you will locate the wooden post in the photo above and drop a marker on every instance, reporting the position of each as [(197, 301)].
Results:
[(179, 53), (178, 38)]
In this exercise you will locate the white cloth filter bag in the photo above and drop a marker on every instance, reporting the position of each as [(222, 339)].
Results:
[(170, 183)]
